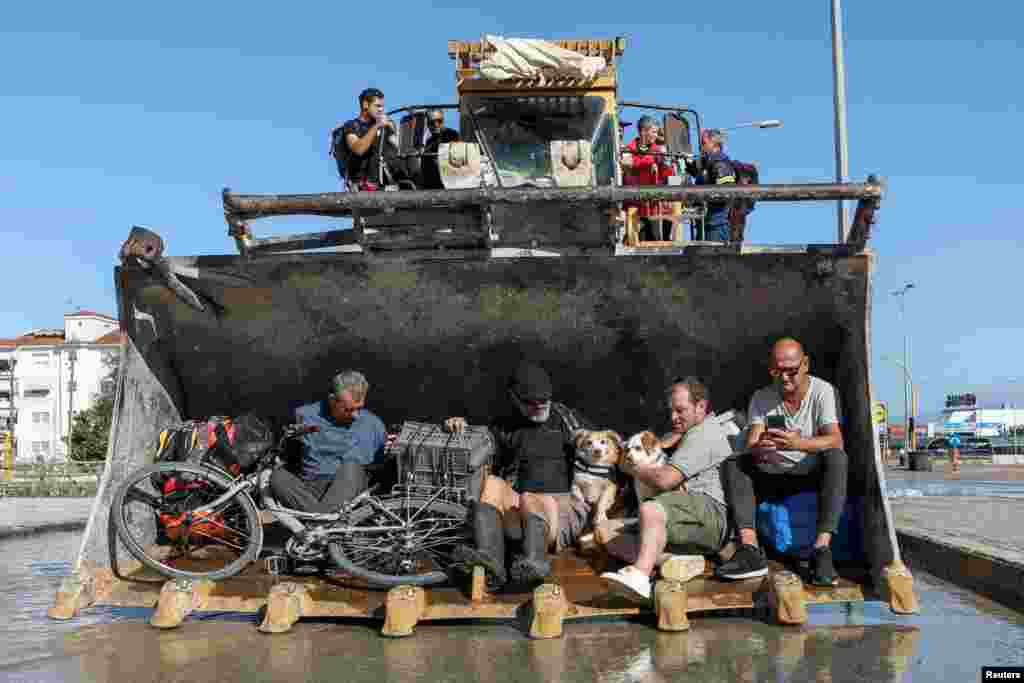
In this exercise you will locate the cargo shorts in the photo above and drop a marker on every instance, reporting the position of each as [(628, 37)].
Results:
[(695, 523)]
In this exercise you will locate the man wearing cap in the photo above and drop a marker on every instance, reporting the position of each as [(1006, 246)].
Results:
[(529, 498), (338, 458)]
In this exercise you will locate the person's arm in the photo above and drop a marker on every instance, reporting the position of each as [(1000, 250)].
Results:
[(359, 145), (662, 477), (827, 435), (725, 173)]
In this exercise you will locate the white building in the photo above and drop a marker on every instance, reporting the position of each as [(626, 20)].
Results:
[(57, 373)]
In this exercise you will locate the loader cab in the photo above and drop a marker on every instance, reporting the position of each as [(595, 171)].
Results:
[(543, 140)]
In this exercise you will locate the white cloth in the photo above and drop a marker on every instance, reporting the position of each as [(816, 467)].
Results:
[(532, 59)]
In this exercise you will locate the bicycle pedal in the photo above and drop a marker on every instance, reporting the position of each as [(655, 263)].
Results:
[(276, 565)]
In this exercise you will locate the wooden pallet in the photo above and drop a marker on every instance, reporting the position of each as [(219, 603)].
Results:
[(575, 591)]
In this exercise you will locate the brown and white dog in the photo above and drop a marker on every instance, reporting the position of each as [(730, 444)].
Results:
[(598, 454), (645, 449)]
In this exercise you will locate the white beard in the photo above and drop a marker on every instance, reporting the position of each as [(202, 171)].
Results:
[(540, 418)]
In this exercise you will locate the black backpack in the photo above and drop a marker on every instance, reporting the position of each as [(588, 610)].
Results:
[(339, 150), (746, 174)]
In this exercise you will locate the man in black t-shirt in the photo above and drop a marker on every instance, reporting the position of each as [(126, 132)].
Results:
[(529, 498), (356, 143)]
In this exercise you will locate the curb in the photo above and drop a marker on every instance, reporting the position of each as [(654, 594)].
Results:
[(33, 529), (994, 577)]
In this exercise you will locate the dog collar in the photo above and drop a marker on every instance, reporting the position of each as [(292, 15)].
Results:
[(596, 470)]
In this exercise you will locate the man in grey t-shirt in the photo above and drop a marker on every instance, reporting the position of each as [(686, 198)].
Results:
[(689, 513), (795, 445)]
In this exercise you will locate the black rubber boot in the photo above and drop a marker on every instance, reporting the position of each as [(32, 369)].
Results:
[(489, 553), (533, 565)]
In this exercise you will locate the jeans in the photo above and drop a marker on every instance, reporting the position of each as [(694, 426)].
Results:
[(746, 485), (716, 232), (327, 495)]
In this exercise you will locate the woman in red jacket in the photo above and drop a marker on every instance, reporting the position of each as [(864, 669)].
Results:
[(645, 164)]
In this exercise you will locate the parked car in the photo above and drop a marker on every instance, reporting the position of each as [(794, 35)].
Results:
[(968, 445)]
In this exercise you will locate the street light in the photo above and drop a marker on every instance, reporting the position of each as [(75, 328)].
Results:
[(839, 102), (907, 382), (767, 123), (907, 394)]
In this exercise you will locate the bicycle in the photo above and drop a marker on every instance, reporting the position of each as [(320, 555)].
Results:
[(403, 538)]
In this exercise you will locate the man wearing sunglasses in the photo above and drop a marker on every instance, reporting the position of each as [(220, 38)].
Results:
[(436, 135), (529, 499), (796, 445)]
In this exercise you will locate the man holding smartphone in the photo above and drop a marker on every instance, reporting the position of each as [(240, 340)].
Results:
[(795, 445)]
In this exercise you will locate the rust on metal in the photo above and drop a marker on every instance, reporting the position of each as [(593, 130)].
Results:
[(248, 206)]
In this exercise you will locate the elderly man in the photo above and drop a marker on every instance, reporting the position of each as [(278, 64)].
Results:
[(335, 458), (689, 513), (796, 445), (530, 497), (435, 136)]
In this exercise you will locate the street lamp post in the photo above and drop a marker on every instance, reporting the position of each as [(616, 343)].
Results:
[(839, 100), (910, 405), (908, 385), (767, 123)]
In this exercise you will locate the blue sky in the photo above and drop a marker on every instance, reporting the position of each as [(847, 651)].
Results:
[(119, 114)]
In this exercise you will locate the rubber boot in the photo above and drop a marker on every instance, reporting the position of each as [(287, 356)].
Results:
[(489, 553), (533, 565)]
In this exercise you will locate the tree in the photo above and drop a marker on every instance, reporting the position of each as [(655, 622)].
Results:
[(90, 428)]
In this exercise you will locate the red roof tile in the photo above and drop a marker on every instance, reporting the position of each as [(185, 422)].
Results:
[(115, 337)]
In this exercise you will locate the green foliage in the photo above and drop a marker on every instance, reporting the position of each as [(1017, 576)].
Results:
[(90, 430)]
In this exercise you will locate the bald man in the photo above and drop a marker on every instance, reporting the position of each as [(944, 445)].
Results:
[(796, 445)]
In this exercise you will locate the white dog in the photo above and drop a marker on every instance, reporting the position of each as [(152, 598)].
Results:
[(644, 449)]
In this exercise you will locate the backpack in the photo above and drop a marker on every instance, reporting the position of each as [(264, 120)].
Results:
[(746, 174), (339, 150), (230, 444)]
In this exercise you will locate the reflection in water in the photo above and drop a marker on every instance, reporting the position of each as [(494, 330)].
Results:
[(712, 651)]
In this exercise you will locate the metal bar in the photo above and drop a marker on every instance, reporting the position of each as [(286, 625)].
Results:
[(241, 207), (306, 240), (839, 100)]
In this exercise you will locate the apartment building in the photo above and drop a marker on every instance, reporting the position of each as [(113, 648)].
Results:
[(53, 374)]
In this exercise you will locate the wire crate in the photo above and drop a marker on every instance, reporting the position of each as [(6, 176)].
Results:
[(428, 457)]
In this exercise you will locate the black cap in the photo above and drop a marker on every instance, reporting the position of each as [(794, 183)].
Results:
[(531, 383)]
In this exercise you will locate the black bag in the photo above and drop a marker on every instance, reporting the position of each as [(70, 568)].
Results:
[(746, 174), (339, 150), (252, 438)]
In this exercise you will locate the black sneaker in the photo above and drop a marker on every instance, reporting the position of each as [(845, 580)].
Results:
[(747, 563), (823, 572)]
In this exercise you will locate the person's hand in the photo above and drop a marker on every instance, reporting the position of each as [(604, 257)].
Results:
[(455, 425), (670, 441), (764, 451), (390, 439), (785, 440), (384, 122)]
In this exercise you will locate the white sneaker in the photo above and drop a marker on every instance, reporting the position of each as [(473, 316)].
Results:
[(682, 567), (630, 584)]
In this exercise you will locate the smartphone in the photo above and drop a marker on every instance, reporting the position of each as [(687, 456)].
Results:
[(775, 422)]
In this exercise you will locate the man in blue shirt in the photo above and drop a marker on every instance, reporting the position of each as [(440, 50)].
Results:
[(716, 170), (335, 458)]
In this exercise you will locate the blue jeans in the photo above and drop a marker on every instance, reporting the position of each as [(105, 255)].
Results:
[(716, 232)]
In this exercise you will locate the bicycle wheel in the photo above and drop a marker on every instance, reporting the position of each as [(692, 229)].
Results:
[(416, 553), (152, 512)]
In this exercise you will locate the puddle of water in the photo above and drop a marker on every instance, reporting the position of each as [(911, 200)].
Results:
[(956, 633), (994, 489)]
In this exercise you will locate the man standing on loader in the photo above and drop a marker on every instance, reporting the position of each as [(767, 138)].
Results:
[(717, 169)]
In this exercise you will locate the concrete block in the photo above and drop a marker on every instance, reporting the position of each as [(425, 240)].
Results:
[(178, 599), (286, 604), (670, 605)]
